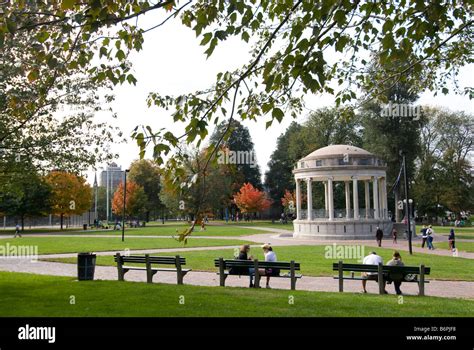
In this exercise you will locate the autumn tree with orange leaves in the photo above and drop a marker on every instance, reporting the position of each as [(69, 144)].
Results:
[(136, 200), (71, 195), (251, 200), (288, 202)]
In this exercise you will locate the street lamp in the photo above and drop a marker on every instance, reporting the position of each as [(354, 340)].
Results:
[(407, 203), (124, 201)]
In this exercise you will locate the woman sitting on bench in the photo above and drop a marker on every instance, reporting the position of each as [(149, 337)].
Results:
[(243, 255), (269, 256), (396, 279)]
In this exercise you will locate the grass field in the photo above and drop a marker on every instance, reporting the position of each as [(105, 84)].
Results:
[(168, 229), (27, 295), (461, 246), (314, 263), (54, 245)]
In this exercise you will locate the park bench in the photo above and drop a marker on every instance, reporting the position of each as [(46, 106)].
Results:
[(383, 273), (225, 267), (149, 261)]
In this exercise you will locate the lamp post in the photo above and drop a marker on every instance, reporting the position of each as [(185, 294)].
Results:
[(407, 204), (124, 201)]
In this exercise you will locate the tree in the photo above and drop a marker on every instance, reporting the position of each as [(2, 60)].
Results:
[(251, 200), (46, 105), (147, 174), (443, 180), (288, 202), (25, 194), (136, 200), (71, 195), (238, 148)]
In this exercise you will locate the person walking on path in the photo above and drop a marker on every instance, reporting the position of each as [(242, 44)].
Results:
[(452, 240), (429, 239), (424, 236), (379, 236), (394, 235), (17, 231)]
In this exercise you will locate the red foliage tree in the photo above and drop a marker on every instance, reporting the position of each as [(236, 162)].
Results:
[(251, 200)]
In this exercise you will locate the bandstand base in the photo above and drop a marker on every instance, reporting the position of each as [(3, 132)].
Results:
[(362, 229)]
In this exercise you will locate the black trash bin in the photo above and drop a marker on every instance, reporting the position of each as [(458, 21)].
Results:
[(85, 266), (84, 227)]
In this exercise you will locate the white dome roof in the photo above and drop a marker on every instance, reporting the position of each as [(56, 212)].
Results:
[(336, 151)]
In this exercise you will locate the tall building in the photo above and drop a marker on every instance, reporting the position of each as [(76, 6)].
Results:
[(113, 174)]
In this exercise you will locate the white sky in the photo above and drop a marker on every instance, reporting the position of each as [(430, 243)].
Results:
[(172, 62)]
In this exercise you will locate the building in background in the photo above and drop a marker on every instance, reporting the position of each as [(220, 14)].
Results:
[(112, 175), (110, 178)]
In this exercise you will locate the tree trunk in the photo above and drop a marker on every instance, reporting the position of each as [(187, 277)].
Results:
[(61, 220), (22, 223)]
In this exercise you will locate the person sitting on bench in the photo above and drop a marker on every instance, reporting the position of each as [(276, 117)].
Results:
[(371, 259), (396, 278), (269, 256), (243, 255)]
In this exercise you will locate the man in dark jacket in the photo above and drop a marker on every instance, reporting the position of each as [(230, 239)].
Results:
[(379, 236)]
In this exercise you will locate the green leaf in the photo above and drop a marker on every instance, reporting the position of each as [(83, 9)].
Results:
[(68, 4), (278, 114)]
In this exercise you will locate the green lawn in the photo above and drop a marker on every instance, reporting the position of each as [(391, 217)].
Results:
[(168, 229), (314, 263), (41, 230), (460, 232), (461, 246), (27, 295), (53, 245)]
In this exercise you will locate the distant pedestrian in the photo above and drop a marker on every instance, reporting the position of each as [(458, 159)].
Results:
[(452, 240), (430, 233), (203, 225), (424, 236), (394, 235), (379, 236), (17, 231)]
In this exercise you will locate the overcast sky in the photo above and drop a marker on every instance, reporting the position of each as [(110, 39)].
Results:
[(172, 62)]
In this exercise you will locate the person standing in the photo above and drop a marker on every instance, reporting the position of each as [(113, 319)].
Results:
[(17, 231), (424, 236), (430, 233), (394, 235), (379, 236), (452, 240)]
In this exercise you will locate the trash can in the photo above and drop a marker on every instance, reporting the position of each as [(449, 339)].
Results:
[(85, 266), (84, 227)]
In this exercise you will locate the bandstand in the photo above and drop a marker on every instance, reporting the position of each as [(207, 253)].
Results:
[(365, 205)]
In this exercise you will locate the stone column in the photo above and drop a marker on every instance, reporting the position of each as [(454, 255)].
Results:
[(309, 186), (326, 196), (348, 199), (298, 200), (367, 198), (355, 198), (376, 198), (384, 198), (330, 199)]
